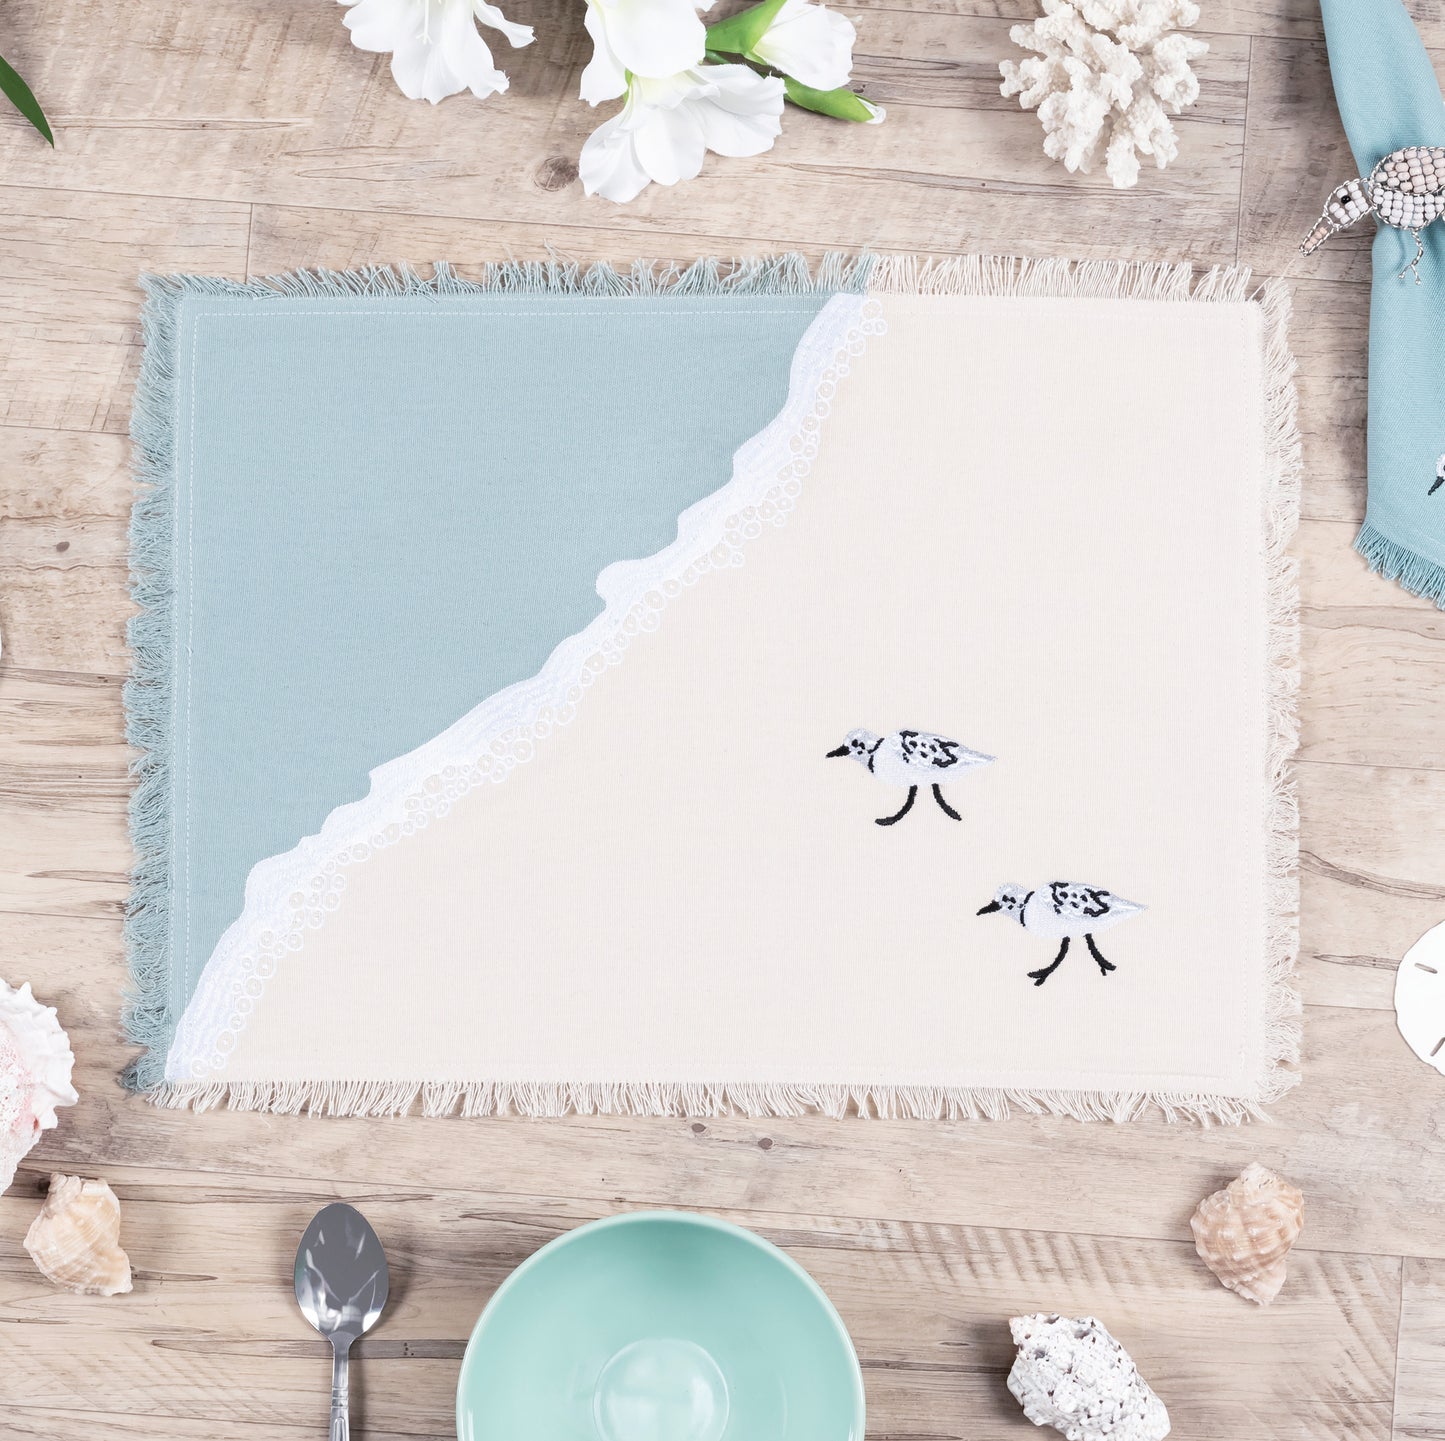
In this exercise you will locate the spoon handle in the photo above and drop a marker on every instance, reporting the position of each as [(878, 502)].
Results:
[(340, 1396)]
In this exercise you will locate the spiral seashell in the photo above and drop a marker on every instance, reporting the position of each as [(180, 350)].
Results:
[(1244, 1232), (75, 1240), (35, 1068)]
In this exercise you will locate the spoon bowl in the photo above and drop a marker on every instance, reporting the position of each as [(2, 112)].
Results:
[(341, 1286)]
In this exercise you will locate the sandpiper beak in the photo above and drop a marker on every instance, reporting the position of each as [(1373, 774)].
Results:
[(989, 908), (841, 751)]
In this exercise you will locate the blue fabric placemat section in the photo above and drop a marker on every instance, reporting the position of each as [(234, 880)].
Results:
[(373, 511)]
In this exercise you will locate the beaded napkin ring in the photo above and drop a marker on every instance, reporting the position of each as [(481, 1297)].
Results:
[(1406, 190)]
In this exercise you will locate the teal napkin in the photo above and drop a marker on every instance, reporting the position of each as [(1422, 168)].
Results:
[(1389, 97)]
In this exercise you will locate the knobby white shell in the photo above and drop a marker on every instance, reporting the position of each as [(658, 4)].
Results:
[(1244, 1232), (75, 1240), (1070, 1373), (35, 1068), (1420, 998)]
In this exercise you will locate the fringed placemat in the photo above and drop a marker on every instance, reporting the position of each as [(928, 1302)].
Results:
[(674, 691)]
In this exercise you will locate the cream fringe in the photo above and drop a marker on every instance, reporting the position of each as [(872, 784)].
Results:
[(486, 1098), (1279, 1003)]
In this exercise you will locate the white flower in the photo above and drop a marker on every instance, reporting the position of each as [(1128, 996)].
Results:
[(436, 49), (668, 125), (810, 43), (651, 38)]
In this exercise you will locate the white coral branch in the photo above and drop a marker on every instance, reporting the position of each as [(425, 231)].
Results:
[(1105, 76)]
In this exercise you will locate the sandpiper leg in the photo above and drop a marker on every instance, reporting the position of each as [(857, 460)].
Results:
[(1039, 977), (907, 806), (1104, 966), (1415, 263), (948, 810)]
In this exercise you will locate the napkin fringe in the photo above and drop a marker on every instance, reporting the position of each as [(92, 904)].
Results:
[(1425, 578), (149, 1019)]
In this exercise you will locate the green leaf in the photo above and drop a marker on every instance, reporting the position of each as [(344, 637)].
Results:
[(841, 104), (18, 93), (740, 33)]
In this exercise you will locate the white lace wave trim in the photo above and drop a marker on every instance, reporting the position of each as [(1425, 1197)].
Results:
[(290, 894)]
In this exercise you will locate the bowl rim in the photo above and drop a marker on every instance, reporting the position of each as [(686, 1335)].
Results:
[(703, 1221)]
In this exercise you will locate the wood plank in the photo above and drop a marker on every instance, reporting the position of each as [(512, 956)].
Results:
[(1420, 1381), (257, 103), (927, 1306), (1354, 1136), (1374, 692), (1370, 877), (43, 1423), (1297, 154), (1329, 334), (62, 475), (70, 332)]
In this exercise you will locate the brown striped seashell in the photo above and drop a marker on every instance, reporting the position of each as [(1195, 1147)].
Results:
[(1244, 1232), (75, 1240)]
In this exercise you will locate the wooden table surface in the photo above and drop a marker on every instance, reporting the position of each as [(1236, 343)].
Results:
[(247, 136)]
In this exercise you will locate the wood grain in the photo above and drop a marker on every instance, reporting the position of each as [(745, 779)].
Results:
[(1420, 1380), (924, 1303), (247, 136)]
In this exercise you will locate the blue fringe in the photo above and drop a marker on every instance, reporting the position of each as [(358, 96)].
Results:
[(149, 1016), (1425, 578)]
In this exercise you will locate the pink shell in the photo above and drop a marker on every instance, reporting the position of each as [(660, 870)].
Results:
[(35, 1069)]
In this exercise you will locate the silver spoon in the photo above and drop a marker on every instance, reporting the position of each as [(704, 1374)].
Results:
[(341, 1284)]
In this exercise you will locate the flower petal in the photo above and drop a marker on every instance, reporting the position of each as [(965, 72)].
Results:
[(380, 25), (653, 37), (518, 35), (669, 145), (744, 115), (811, 43), (436, 49), (607, 165), (605, 77), (463, 53)]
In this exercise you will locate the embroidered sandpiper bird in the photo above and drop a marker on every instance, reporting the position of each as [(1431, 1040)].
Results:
[(1064, 910), (1439, 475), (912, 759)]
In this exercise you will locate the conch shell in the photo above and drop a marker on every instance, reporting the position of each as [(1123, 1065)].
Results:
[(35, 1067), (1243, 1233), (75, 1240), (1070, 1373)]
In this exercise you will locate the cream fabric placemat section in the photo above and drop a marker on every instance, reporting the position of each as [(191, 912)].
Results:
[(1034, 524)]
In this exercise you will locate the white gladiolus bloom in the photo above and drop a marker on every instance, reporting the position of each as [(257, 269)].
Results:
[(436, 48), (810, 43), (668, 125), (651, 38)]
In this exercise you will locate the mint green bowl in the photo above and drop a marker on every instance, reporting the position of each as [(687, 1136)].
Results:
[(659, 1326)]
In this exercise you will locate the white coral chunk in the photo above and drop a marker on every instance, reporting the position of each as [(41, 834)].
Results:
[(1070, 1373), (1105, 76)]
